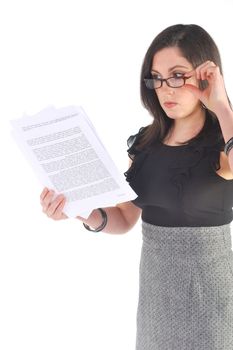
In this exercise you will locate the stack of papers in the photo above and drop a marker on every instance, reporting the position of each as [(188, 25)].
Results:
[(67, 156)]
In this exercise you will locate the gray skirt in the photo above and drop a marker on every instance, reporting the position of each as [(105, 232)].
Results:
[(185, 288)]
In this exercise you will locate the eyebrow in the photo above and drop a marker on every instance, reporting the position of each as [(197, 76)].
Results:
[(170, 69)]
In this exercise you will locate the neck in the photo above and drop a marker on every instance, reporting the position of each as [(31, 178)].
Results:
[(186, 128)]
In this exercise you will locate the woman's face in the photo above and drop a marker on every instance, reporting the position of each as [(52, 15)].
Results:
[(169, 62)]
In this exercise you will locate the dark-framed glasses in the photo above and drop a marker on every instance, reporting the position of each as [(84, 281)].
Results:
[(174, 82)]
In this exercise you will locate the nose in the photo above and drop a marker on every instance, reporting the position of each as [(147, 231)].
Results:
[(167, 89)]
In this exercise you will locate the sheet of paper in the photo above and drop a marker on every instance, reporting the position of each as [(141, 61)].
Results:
[(67, 155)]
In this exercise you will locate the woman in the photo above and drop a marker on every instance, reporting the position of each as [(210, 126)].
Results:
[(181, 167)]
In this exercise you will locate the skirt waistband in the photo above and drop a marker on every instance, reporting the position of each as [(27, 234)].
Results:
[(204, 240)]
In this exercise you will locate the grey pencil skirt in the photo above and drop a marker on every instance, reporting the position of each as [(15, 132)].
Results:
[(185, 288)]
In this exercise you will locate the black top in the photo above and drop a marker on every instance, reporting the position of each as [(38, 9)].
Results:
[(178, 185)]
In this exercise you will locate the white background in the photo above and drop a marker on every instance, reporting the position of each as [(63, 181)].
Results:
[(61, 286)]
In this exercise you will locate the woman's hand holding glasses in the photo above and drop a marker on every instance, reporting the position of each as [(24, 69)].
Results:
[(214, 96)]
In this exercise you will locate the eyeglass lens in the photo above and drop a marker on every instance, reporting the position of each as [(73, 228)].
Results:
[(172, 82)]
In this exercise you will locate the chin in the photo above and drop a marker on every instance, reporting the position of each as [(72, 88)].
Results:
[(174, 116), (178, 115)]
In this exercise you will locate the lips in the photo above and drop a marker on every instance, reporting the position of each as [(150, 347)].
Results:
[(170, 104)]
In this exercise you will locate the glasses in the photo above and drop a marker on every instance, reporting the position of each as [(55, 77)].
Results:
[(173, 82)]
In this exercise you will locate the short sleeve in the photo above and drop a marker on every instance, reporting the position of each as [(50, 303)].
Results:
[(132, 142), (138, 156)]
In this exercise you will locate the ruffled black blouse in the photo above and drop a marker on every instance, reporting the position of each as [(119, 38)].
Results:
[(178, 185)]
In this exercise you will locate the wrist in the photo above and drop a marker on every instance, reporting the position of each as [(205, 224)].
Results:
[(94, 216), (102, 223), (223, 110)]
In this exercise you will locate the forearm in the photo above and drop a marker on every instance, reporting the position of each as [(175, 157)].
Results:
[(225, 117), (116, 221)]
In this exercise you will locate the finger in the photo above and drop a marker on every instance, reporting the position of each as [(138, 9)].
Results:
[(206, 72), (202, 69), (58, 214), (53, 206), (191, 73), (43, 193), (196, 71), (47, 200), (213, 70)]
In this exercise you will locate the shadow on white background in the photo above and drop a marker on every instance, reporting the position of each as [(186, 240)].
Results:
[(63, 287)]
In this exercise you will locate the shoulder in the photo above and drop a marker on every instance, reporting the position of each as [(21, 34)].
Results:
[(133, 141)]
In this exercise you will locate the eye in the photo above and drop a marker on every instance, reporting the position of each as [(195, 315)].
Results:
[(178, 75), (156, 77)]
